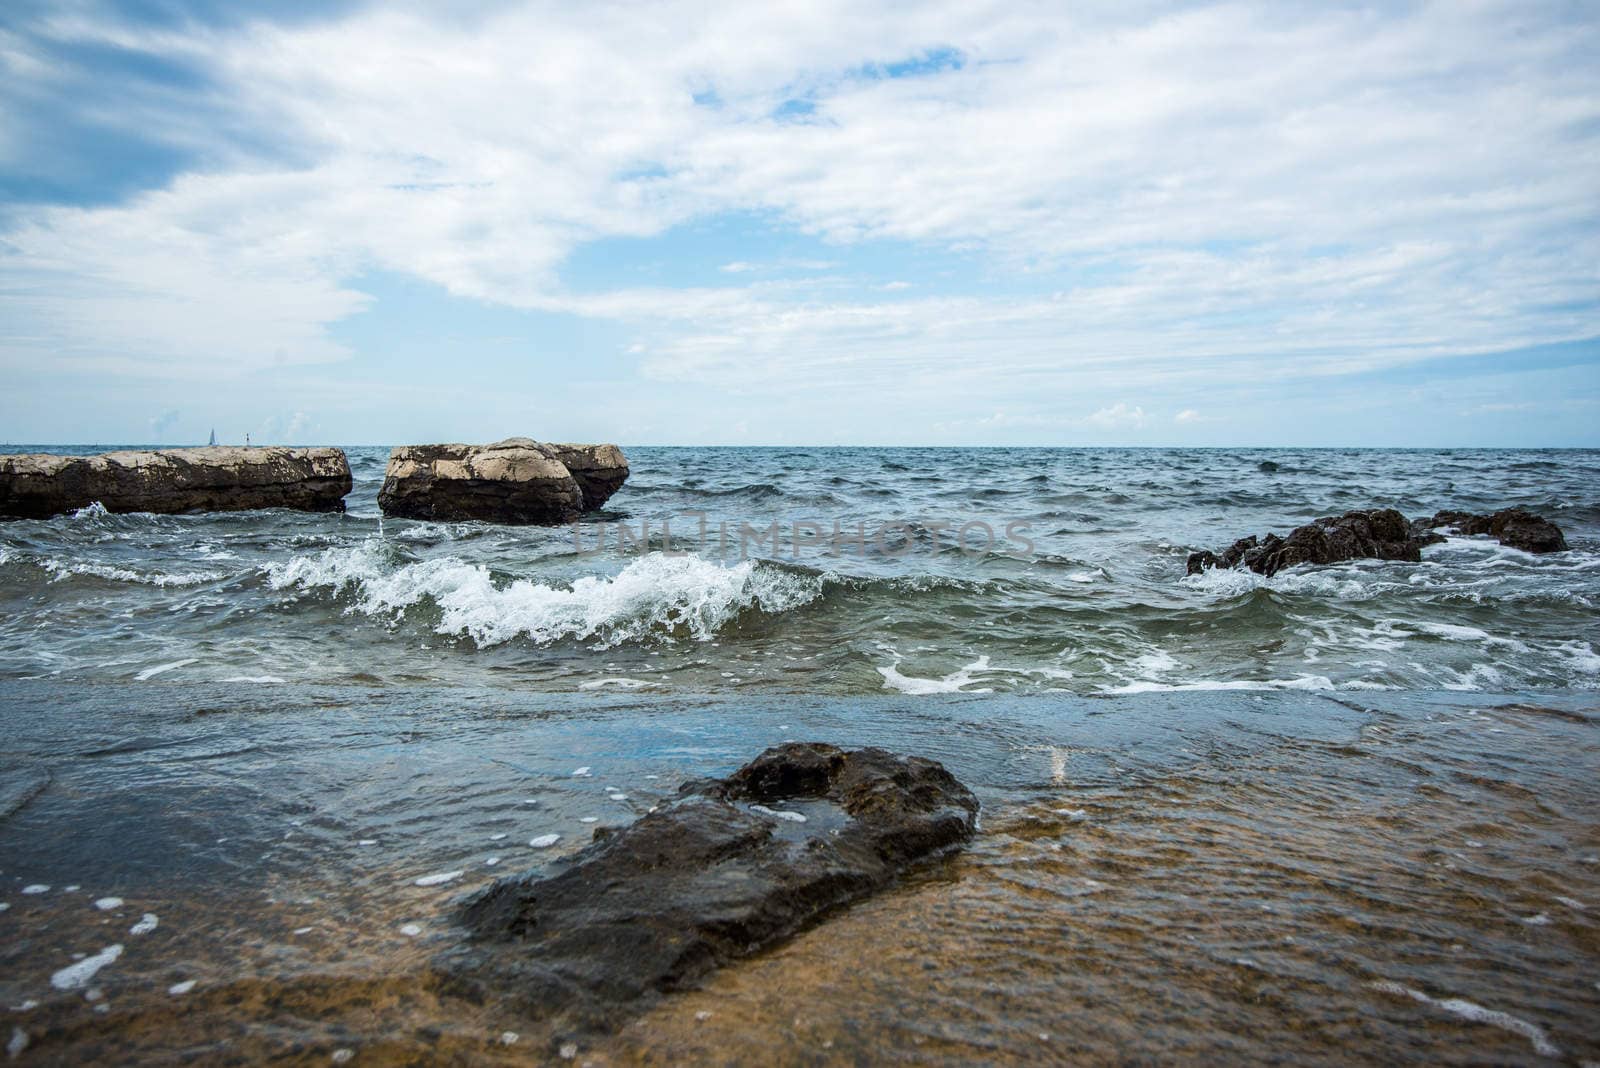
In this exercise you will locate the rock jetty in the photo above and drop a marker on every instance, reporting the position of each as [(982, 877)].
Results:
[(729, 867), (517, 480), (1380, 534), (168, 481)]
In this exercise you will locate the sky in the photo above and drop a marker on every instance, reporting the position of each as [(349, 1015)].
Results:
[(811, 222)]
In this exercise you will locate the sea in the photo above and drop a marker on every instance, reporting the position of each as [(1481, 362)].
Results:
[(252, 762), (838, 571)]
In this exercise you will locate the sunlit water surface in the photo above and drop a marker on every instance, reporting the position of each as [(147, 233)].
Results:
[(1290, 876)]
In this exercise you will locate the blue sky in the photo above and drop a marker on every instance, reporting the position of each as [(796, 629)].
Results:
[(686, 223)]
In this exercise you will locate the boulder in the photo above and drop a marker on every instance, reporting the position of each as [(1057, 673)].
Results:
[(729, 867), (1515, 527), (517, 480), (1381, 534), (600, 470), (210, 479)]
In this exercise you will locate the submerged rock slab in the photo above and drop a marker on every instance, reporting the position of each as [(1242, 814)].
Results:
[(517, 480), (209, 479), (1380, 534), (715, 875)]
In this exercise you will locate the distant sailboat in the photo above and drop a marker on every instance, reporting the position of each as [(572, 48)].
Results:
[(213, 440)]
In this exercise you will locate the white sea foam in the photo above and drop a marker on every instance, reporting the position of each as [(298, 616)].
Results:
[(36, 888), (265, 680), (152, 672), (60, 572), (651, 595), (179, 989), (77, 975), (1302, 682), (544, 841), (439, 878), (1476, 1013), (792, 817), (147, 923), (106, 904), (955, 682), (619, 682)]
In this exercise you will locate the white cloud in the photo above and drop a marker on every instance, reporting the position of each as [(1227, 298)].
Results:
[(1225, 189), (1117, 417), (1188, 415)]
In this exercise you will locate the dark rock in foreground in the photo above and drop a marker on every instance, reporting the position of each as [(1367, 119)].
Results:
[(713, 876), (1380, 534), (210, 479), (517, 480)]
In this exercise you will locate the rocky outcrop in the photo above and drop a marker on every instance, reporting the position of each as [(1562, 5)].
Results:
[(1380, 534), (1515, 527), (727, 868), (210, 479), (600, 470), (1384, 534), (517, 480)]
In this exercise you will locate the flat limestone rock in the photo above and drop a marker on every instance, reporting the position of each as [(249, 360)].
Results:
[(517, 480), (210, 479), (600, 470), (730, 867)]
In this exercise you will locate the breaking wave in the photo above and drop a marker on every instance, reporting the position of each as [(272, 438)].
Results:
[(655, 596)]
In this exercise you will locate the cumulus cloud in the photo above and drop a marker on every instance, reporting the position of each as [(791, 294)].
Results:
[(1188, 415), (1195, 191), (1117, 417)]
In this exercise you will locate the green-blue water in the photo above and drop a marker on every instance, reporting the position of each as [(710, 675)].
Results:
[(1088, 595)]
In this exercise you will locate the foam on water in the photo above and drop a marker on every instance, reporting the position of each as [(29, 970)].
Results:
[(1476, 1013), (162, 669), (653, 596), (77, 975), (955, 682)]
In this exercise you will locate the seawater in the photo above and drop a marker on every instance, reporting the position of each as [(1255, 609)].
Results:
[(253, 761), (1089, 596)]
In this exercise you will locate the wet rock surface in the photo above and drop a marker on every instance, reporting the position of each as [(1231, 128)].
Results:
[(1379, 534), (1516, 527), (517, 480), (731, 866), (170, 481)]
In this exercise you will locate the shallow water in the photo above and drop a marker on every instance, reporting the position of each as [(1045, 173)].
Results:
[(1251, 876), (1088, 596)]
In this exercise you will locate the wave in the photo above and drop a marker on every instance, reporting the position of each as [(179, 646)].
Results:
[(1301, 682), (655, 596), (60, 572)]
